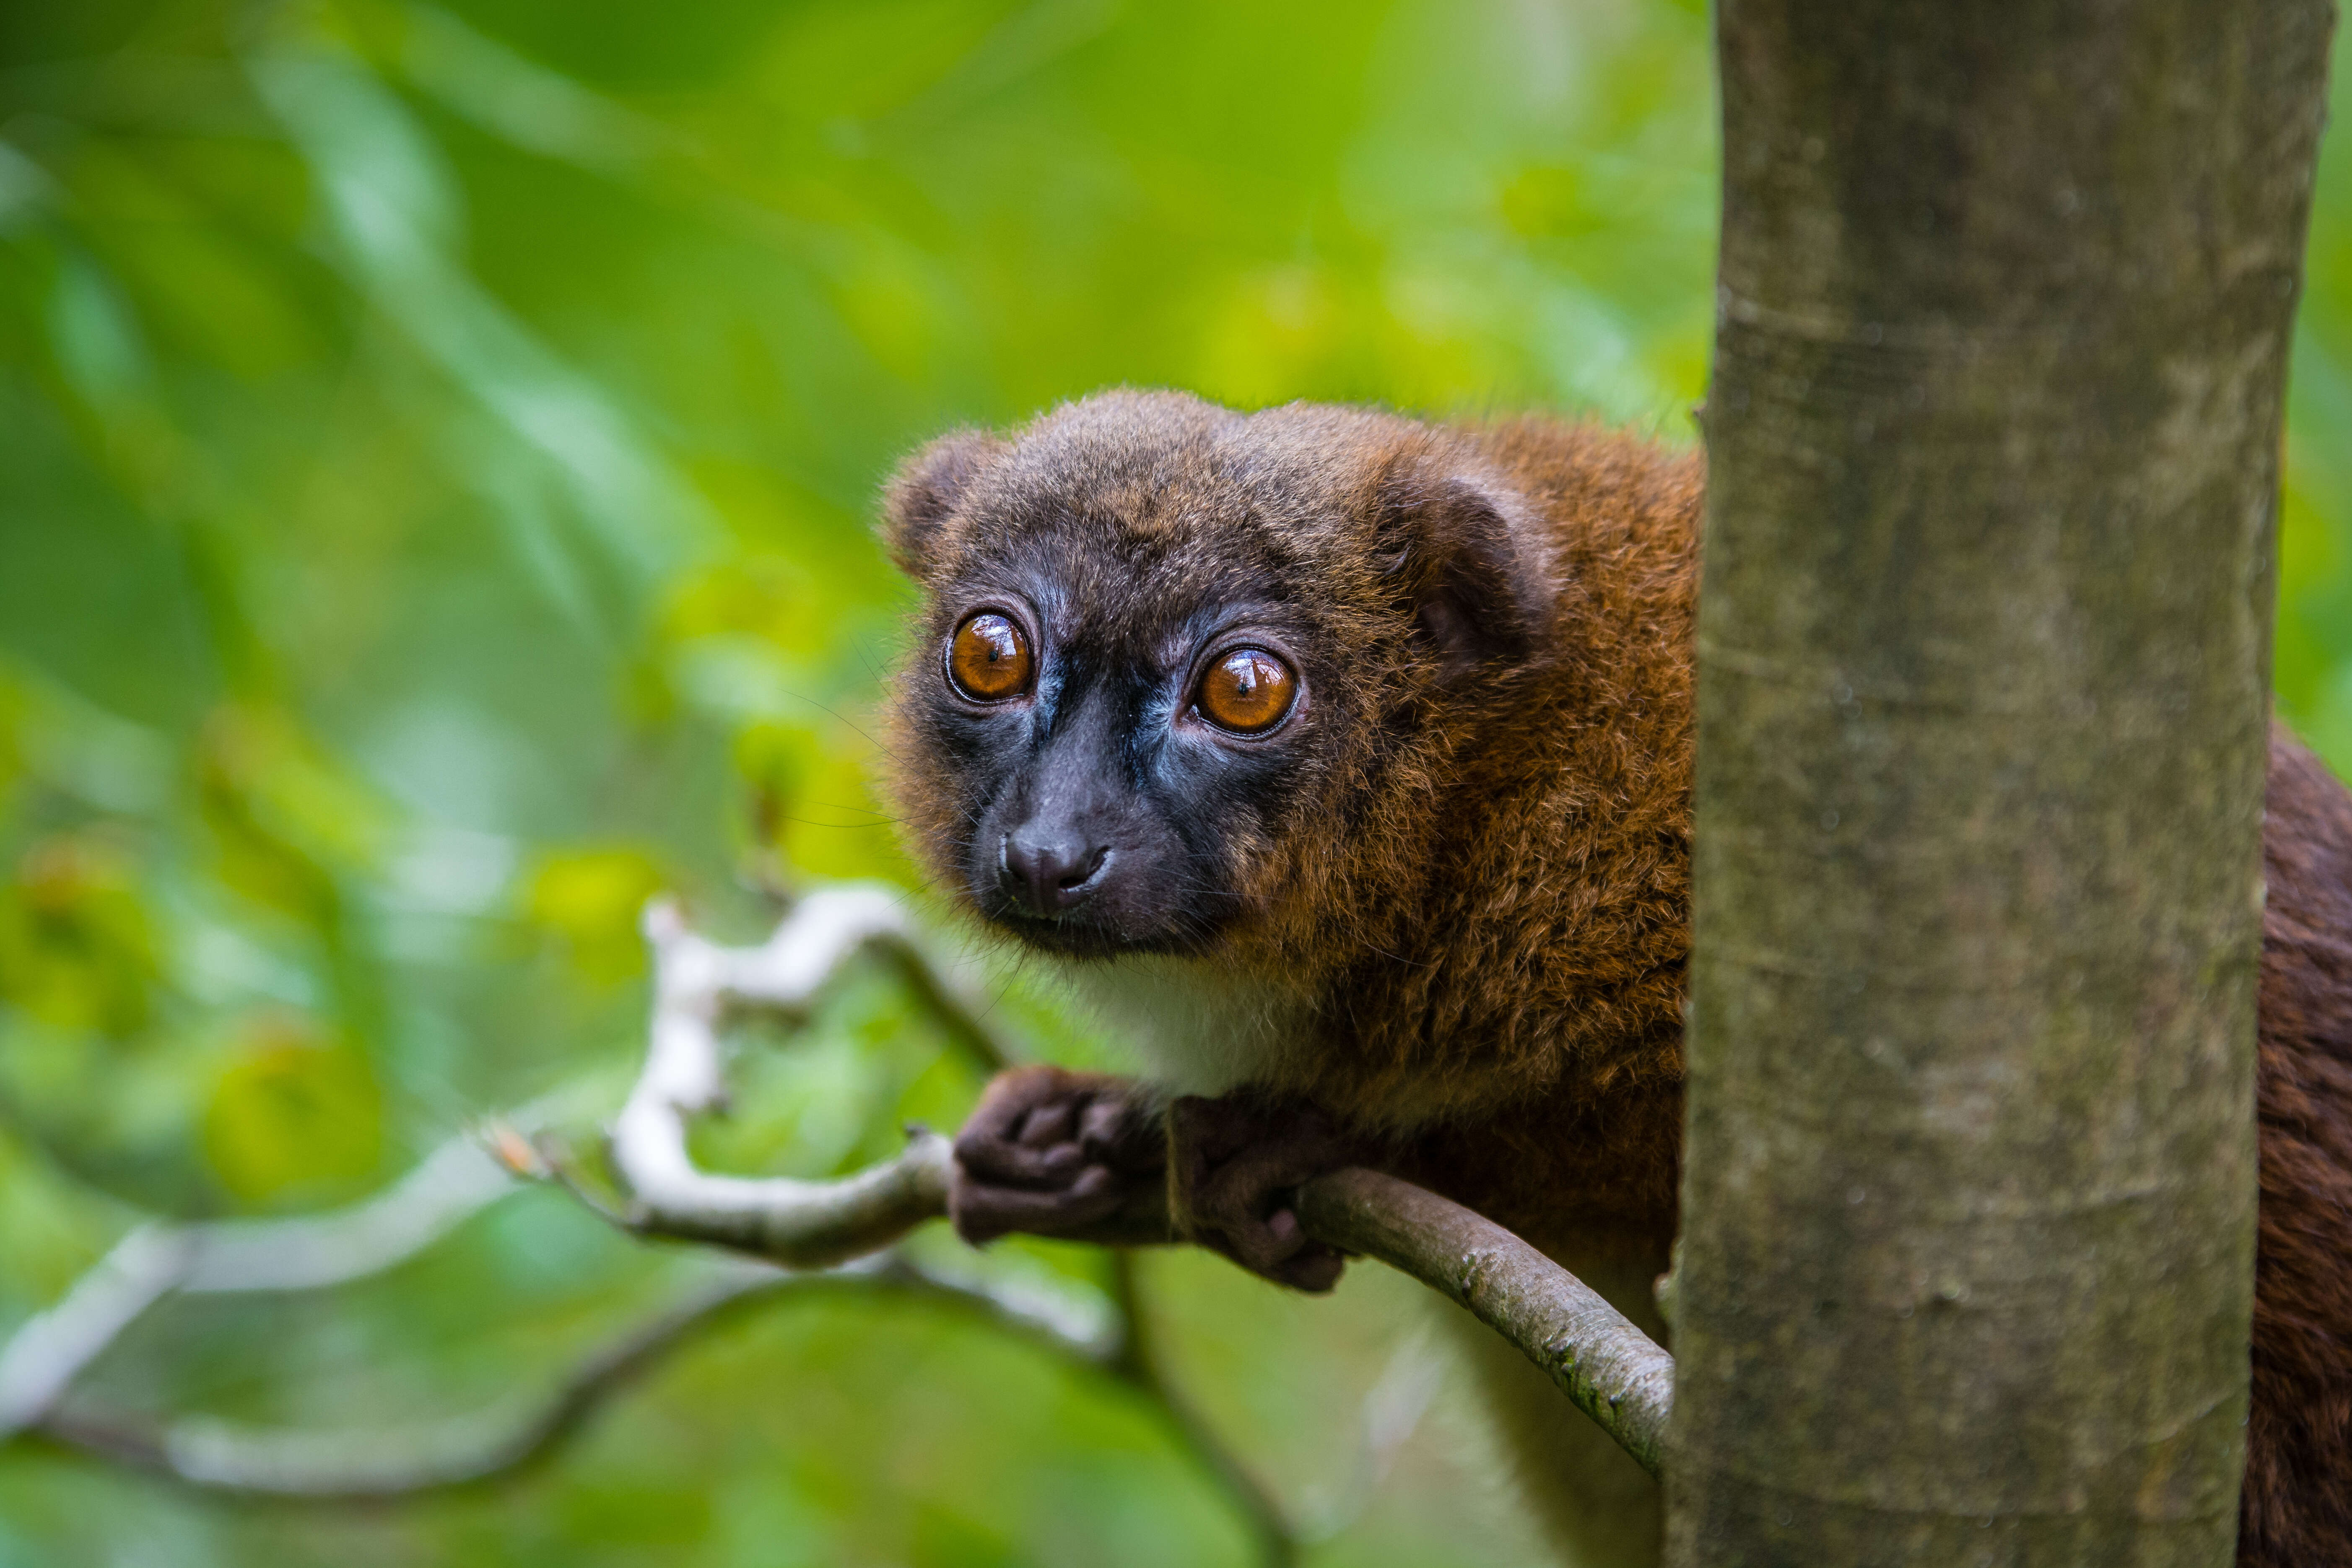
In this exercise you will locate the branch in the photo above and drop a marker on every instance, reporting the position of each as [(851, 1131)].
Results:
[(40, 1363), (52, 1348), (515, 1432), (796, 1224), (805, 1225), (342, 1466), (1609, 1368), (307, 1252)]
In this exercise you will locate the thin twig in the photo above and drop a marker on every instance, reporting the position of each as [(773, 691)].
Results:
[(968, 1026)]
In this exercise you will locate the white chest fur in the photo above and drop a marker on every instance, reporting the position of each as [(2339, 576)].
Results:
[(1199, 1029)]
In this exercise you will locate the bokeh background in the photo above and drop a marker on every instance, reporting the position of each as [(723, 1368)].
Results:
[(437, 449)]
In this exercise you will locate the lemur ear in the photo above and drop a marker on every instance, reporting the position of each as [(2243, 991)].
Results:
[(1465, 553), (924, 491)]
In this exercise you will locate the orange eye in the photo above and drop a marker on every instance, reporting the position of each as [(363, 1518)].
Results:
[(988, 658), (1248, 691)]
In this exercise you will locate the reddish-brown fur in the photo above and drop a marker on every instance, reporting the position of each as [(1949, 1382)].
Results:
[(1480, 914), (1551, 916), (2298, 1496)]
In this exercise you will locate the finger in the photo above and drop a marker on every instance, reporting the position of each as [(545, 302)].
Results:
[(994, 1162), (1277, 1250), (990, 1144), (1248, 1188), (1050, 1123), (981, 1213), (1007, 1100), (1259, 1251), (1314, 1268), (1120, 1133)]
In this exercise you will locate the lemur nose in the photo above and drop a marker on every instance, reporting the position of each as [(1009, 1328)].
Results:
[(1050, 870)]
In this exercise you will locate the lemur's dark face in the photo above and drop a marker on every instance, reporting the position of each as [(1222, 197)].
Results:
[(1160, 647), (1114, 741)]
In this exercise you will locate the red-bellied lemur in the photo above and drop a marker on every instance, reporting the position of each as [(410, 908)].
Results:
[(1348, 757)]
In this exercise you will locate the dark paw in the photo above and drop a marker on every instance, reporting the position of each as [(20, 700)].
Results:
[(1055, 1153), (1238, 1159)]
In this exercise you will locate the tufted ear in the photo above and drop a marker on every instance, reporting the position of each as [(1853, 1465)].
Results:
[(1465, 554), (925, 490)]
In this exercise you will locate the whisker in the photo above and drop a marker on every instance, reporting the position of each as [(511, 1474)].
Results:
[(864, 810), (866, 657), (846, 723)]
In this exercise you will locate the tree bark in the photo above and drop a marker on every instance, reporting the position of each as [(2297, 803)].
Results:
[(1968, 1200)]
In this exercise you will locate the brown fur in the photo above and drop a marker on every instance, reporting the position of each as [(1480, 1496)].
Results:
[(2298, 1498), (1472, 896)]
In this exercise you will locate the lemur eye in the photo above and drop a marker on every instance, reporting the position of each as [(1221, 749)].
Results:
[(1248, 691), (988, 658)]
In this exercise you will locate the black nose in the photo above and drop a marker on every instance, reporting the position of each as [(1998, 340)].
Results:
[(1048, 870)]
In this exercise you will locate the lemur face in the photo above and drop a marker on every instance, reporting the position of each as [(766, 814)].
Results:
[(1117, 711), (1163, 648)]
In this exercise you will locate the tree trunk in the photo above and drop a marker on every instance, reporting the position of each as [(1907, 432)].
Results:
[(1969, 1204)]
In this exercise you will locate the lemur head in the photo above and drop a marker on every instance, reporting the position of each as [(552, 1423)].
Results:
[(1183, 675)]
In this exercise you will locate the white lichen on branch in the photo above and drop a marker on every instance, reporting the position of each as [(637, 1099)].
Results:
[(804, 1225)]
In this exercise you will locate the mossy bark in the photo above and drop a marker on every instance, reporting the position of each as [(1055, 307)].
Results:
[(1969, 1203)]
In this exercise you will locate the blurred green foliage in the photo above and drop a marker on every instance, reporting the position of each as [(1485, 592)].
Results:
[(433, 496)]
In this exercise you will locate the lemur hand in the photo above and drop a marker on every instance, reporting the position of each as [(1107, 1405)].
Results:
[(1237, 1162), (1055, 1153)]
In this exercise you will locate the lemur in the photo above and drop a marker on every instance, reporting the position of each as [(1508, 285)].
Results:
[(1348, 757)]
